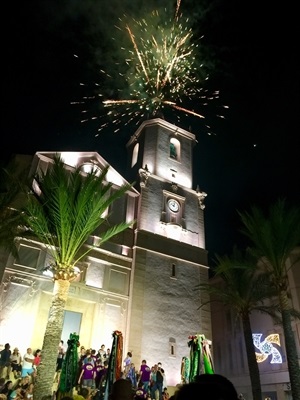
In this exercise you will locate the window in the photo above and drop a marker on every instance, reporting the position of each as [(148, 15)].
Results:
[(173, 271), (90, 167), (175, 149), (95, 274), (135, 154), (172, 347), (28, 256)]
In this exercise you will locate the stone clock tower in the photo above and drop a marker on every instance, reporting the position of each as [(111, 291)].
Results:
[(169, 256)]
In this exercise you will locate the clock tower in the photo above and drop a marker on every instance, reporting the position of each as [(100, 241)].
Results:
[(169, 256)]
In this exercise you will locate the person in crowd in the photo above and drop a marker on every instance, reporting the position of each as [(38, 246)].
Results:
[(218, 387), (127, 362), (153, 382), (16, 363), (81, 357), (101, 354), (140, 393), (60, 357), (99, 368), (36, 362), (94, 356), (144, 375), (2, 383), (82, 352), (132, 375), (7, 388), (5, 360), (27, 364), (89, 359), (165, 394), (121, 390), (61, 353), (16, 394), (159, 364), (157, 379), (83, 394), (37, 358), (101, 376), (160, 376), (88, 373), (29, 392), (24, 384)]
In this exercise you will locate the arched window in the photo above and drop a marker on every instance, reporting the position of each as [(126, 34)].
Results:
[(175, 149), (172, 347), (135, 154)]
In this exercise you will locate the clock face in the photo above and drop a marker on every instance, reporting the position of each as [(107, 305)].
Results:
[(173, 205)]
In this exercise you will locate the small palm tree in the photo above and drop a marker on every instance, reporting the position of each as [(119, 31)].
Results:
[(240, 287), (274, 237), (63, 210)]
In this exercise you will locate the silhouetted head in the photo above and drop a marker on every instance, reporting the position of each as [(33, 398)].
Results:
[(121, 390), (215, 386)]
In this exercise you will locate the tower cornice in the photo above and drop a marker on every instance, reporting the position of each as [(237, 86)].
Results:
[(164, 124)]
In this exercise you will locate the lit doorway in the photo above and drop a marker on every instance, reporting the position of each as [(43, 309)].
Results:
[(72, 323)]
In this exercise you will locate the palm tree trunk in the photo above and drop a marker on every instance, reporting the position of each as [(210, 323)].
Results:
[(290, 346), (251, 358), (52, 337)]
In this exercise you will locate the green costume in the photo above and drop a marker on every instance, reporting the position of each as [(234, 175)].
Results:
[(185, 370), (68, 376), (200, 357)]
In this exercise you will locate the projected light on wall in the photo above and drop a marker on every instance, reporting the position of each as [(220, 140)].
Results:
[(266, 348)]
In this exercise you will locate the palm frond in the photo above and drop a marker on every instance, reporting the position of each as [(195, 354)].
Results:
[(67, 206)]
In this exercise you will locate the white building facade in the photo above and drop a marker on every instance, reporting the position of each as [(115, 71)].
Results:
[(142, 283)]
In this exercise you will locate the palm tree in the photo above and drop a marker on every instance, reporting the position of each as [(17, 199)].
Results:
[(63, 210), (240, 287), (274, 237)]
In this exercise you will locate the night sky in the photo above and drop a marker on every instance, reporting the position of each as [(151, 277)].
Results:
[(252, 157)]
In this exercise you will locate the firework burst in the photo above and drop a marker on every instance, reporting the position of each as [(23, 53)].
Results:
[(161, 70)]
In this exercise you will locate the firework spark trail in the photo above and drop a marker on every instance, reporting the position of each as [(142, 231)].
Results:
[(110, 102), (177, 9), (137, 52), (174, 105), (175, 59)]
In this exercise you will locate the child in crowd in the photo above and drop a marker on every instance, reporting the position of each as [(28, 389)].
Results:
[(165, 394), (132, 375), (127, 363)]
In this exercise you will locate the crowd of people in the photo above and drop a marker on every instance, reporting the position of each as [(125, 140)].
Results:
[(145, 382), (23, 368), (148, 383)]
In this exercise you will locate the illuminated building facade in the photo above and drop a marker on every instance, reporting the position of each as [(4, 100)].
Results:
[(142, 282)]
